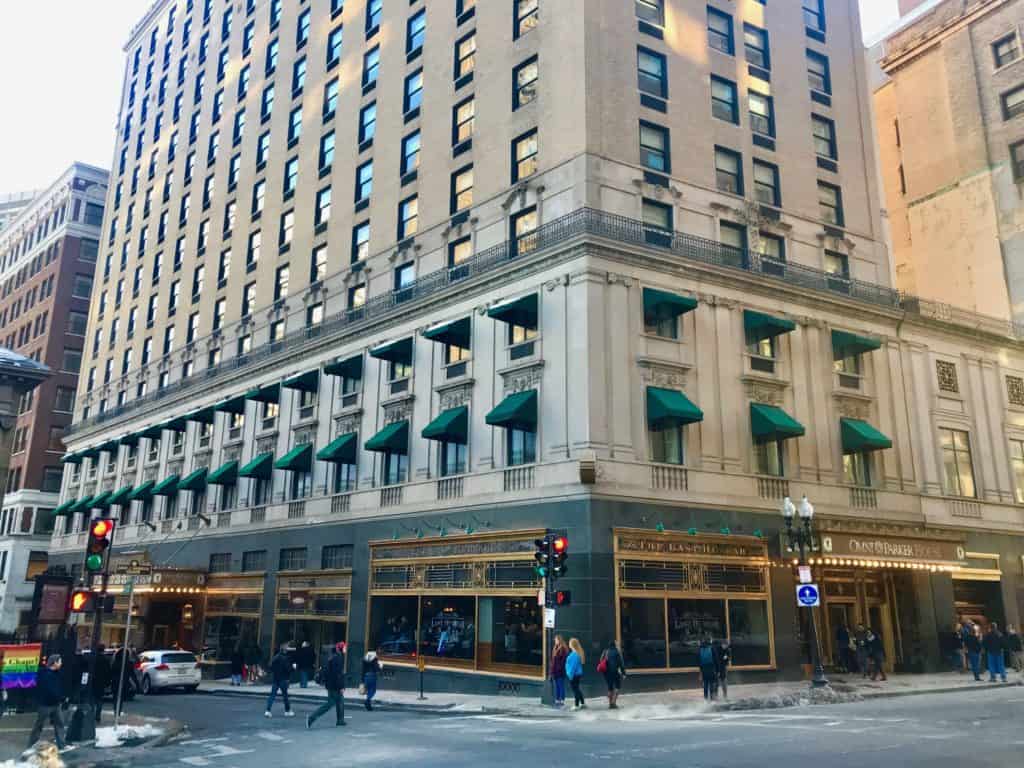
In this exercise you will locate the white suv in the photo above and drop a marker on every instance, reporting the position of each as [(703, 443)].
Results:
[(168, 669)]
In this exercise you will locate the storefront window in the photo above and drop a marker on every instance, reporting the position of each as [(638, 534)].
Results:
[(393, 626), (642, 624), (690, 621), (511, 635), (749, 633), (321, 635), (226, 633), (448, 628)]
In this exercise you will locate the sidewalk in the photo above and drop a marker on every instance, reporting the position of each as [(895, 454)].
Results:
[(844, 688)]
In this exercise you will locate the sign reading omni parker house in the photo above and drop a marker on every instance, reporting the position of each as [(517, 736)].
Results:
[(891, 548)]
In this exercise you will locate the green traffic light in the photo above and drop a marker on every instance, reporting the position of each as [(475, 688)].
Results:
[(94, 562), (540, 571)]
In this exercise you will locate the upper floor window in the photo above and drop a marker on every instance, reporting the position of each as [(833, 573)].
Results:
[(830, 203), (1017, 466), (364, 181), (334, 47), (720, 35), (524, 82), (766, 183), (728, 171), (408, 221), (526, 16), (654, 147), (415, 31), (465, 56), (1006, 50), (1013, 103), (724, 100), (958, 471), (755, 44), (762, 113), (814, 15), (818, 73), (651, 11), (371, 66), (367, 122), (463, 119), (1017, 160), (302, 29), (824, 131), (410, 153), (524, 155), (652, 72), (413, 95), (374, 9), (361, 242), (462, 189)]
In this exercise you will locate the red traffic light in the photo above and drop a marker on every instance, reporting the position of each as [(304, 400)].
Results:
[(102, 528), (563, 598), (560, 544)]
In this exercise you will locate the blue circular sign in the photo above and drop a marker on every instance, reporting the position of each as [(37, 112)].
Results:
[(807, 595)]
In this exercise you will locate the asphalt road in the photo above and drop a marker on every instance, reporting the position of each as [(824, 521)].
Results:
[(975, 729)]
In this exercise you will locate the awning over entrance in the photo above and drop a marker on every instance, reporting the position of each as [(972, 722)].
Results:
[(269, 393), (143, 492), (233, 405), (518, 410), (456, 333), (122, 497), (858, 436), (166, 487), (203, 415), (759, 326), (396, 352), (304, 382), (670, 408), (225, 474), (662, 305), (452, 426), (261, 466), (394, 438), (102, 501), (341, 450), (846, 344), (64, 509), (522, 311), (194, 481), (298, 459), (84, 504), (770, 423), (352, 368)]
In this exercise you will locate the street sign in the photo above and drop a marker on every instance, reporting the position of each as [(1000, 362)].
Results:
[(128, 588), (549, 618), (805, 574), (807, 596)]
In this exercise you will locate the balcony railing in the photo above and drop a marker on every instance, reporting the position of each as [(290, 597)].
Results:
[(863, 498), (668, 478), (449, 488), (391, 496), (296, 509), (772, 487)]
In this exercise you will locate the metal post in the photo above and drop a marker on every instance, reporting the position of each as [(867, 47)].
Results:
[(88, 709), (124, 656), (818, 679)]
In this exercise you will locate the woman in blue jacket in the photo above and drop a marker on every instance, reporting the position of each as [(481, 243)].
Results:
[(574, 671)]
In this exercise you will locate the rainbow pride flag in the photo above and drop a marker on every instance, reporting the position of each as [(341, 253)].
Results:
[(20, 665)]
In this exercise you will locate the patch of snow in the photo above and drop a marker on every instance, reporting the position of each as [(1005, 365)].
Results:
[(17, 764), (114, 737)]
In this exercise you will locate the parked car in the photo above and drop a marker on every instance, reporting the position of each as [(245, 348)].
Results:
[(157, 670)]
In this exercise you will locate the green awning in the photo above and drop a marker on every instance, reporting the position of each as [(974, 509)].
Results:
[(153, 433), (456, 333), (662, 305), (143, 492), (261, 466), (101, 502), (396, 352), (860, 436), (194, 481), (166, 487), (341, 450), (846, 344), (394, 438), (203, 415), (232, 405), (352, 368), (770, 423), (64, 509), (298, 459), (131, 439), (91, 453), (71, 458), (304, 382), (112, 447), (269, 393), (84, 504), (759, 326), (452, 426), (518, 410), (522, 311), (225, 474), (122, 497), (670, 408), (177, 424)]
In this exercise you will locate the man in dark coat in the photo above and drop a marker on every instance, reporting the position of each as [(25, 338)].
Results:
[(50, 696), (281, 671), (305, 659), (995, 647), (122, 671), (707, 658), (843, 647), (334, 682)]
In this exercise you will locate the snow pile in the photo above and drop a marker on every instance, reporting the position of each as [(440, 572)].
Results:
[(115, 737), (18, 764)]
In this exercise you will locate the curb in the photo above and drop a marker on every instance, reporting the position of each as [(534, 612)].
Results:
[(308, 698)]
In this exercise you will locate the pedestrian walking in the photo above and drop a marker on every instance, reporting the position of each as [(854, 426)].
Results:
[(724, 659), (574, 672), (876, 652), (967, 630), (995, 647), (237, 665), (334, 682), (614, 669), (1015, 648), (558, 656), (708, 661), (973, 647), (253, 660), (860, 635), (100, 680), (371, 668), (305, 659), (49, 697), (281, 671), (843, 647)]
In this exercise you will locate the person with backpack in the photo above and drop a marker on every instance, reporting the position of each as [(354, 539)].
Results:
[(371, 668), (708, 661), (724, 658), (332, 677), (973, 645), (995, 647), (558, 657), (574, 671), (612, 667), (281, 671)]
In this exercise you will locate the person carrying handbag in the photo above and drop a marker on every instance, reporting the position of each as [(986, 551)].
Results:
[(613, 669)]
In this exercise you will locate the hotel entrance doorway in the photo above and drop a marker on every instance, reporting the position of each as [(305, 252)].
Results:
[(853, 597)]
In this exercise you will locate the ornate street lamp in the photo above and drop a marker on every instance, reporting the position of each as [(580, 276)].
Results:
[(801, 539)]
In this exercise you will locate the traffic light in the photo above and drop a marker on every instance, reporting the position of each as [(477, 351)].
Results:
[(82, 601), (542, 556), (559, 554), (563, 598), (97, 549)]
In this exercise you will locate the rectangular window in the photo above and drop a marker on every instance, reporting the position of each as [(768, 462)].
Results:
[(291, 176), (666, 443), (462, 189), (524, 83), (318, 264), (330, 99), (364, 181), (762, 113), (413, 92), (523, 230), (652, 72), (824, 131), (367, 122), (252, 254), (415, 31), (768, 458), (302, 29), (292, 559), (361, 242), (1017, 160), (410, 153), (657, 221), (958, 471), (334, 46), (465, 56), (374, 9), (323, 207), (520, 447), (524, 155), (1013, 103), (298, 75), (755, 45), (651, 11), (766, 183), (728, 171), (814, 15), (408, 217), (326, 155), (720, 34), (463, 119), (830, 203), (1017, 467), (1006, 50), (371, 66), (654, 147), (837, 265), (281, 281), (254, 561), (724, 100), (818, 73), (526, 16), (336, 556), (287, 228)]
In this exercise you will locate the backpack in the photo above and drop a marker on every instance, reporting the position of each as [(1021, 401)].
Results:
[(707, 656)]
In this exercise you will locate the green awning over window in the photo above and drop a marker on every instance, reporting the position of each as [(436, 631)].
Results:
[(456, 333), (112, 447), (71, 458), (261, 466), (232, 405), (759, 326), (225, 474), (178, 424), (143, 492), (298, 459), (670, 408), (518, 411), (662, 305), (522, 311), (153, 433), (101, 502), (122, 497), (770, 423), (91, 453), (846, 344), (64, 509), (194, 481), (166, 487), (858, 436), (452, 426), (352, 368), (131, 439), (304, 382), (394, 438), (269, 393), (341, 450), (203, 415), (396, 352), (84, 504)]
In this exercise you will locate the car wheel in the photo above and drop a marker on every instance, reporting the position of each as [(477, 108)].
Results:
[(147, 686)]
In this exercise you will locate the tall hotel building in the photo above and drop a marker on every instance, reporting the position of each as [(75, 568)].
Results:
[(397, 286)]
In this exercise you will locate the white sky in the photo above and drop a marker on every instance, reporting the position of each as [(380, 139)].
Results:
[(60, 89)]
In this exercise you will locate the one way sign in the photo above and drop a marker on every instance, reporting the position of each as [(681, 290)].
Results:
[(807, 596)]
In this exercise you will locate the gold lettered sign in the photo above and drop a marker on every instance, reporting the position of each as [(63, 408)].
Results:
[(675, 544), (891, 548)]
